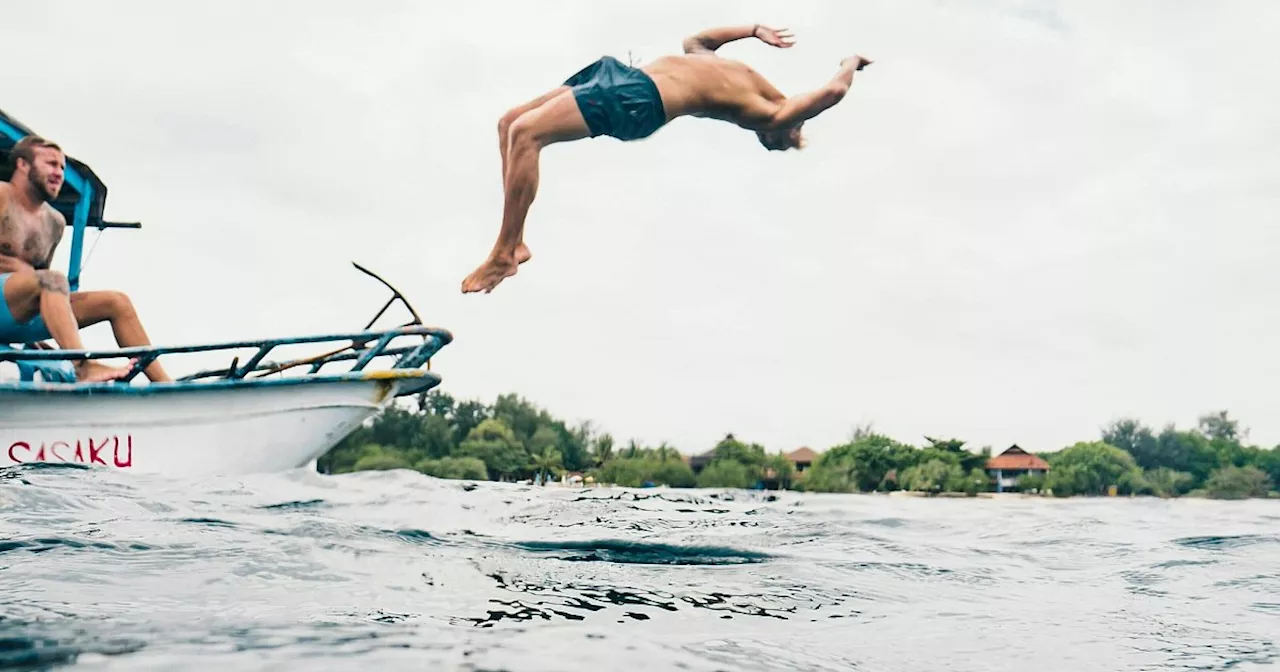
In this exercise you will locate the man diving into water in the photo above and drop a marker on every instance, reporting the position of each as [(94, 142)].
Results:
[(627, 103), (36, 302)]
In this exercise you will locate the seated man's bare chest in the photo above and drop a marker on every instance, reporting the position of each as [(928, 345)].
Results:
[(26, 236)]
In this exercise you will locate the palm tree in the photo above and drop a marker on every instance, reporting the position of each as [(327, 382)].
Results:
[(548, 461), (634, 448), (603, 449), (666, 451)]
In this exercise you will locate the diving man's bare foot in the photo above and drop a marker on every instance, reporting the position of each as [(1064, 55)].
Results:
[(93, 372), (494, 270)]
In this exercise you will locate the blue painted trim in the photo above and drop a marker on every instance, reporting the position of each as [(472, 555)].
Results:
[(78, 224), (422, 379), (373, 352), (439, 334), (404, 370), (11, 131)]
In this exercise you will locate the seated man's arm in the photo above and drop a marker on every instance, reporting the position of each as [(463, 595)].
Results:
[(707, 41), (51, 280), (10, 264), (812, 103), (57, 225)]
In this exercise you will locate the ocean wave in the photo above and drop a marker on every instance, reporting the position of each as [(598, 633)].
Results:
[(302, 570)]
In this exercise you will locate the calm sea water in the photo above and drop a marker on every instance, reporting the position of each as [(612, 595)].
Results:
[(394, 570)]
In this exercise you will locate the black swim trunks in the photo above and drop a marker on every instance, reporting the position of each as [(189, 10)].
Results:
[(618, 100)]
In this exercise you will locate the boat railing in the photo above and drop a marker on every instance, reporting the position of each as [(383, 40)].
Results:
[(363, 347)]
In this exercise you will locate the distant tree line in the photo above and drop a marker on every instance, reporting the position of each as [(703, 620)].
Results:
[(512, 439)]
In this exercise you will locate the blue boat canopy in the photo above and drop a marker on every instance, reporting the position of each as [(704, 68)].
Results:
[(83, 196)]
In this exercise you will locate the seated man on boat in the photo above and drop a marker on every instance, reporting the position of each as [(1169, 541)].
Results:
[(629, 103), (37, 302)]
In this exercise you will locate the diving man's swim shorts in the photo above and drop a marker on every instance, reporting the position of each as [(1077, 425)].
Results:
[(618, 100)]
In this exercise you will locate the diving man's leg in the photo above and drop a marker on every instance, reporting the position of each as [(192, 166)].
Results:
[(504, 126), (557, 120)]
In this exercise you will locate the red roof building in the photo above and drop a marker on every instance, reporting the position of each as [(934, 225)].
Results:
[(1017, 459), (802, 458), (1008, 466)]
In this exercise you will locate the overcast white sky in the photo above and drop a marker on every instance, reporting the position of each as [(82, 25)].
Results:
[(1029, 217)]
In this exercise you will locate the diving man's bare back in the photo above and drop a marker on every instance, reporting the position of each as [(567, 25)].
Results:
[(706, 85), (627, 103)]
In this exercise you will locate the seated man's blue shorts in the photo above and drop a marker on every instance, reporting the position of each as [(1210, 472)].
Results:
[(617, 100), (13, 332)]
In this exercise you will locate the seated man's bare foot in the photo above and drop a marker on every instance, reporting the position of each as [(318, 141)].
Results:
[(522, 253), (489, 274), (93, 372)]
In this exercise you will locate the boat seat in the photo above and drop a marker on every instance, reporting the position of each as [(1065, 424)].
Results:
[(51, 371)]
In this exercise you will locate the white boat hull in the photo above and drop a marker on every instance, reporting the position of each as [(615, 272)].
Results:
[(187, 430), (250, 414)]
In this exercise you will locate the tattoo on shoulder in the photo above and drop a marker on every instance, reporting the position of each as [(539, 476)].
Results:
[(53, 281)]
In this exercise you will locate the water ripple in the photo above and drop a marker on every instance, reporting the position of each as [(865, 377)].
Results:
[(640, 552), (394, 569), (1227, 542)]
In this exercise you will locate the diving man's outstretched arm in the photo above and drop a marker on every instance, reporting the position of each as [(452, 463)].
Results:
[(707, 41), (805, 106)]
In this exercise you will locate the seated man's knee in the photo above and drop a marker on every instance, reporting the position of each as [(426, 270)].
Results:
[(119, 304)]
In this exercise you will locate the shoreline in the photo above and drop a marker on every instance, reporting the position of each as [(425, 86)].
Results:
[(513, 440), (907, 494)]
